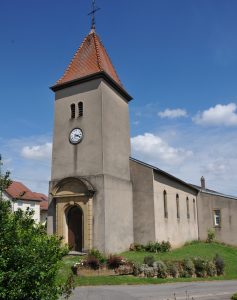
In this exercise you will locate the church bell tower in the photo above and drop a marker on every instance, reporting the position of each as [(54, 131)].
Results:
[(90, 190)]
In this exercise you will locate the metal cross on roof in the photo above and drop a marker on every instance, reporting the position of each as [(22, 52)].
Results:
[(92, 13)]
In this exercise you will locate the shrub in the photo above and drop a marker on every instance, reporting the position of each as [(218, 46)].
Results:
[(200, 267), (114, 261), (161, 268), (96, 253), (165, 246), (126, 269), (152, 247), (234, 297), (92, 262), (188, 268), (29, 258), (149, 260), (210, 268), (149, 271), (137, 269), (220, 264), (136, 247), (172, 269), (211, 235)]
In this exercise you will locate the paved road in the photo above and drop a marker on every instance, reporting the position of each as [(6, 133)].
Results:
[(214, 290)]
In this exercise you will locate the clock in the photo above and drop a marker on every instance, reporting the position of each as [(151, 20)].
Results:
[(76, 136)]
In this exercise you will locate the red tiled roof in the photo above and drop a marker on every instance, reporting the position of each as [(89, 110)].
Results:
[(44, 202), (89, 59), (18, 190)]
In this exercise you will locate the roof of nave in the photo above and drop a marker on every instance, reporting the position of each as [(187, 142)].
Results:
[(165, 174), (193, 186), (212, 192)]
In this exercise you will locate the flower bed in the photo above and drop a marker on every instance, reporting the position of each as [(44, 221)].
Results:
[(95, 264)]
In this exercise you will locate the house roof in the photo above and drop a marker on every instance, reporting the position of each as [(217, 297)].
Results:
[(208, 191), (90, 58), (165, 174), (18, 190)]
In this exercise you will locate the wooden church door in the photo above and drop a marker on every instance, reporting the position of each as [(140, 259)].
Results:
[(75, 228)]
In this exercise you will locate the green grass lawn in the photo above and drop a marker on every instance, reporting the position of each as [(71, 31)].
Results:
[(203, 250)]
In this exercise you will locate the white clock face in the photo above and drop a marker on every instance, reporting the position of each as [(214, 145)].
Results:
[(76, 136)]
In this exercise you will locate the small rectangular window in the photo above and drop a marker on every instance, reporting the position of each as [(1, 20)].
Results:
[(217, 218), (32, 205), (20, 203)]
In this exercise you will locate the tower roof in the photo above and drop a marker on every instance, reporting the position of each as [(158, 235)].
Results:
[(90, 58)]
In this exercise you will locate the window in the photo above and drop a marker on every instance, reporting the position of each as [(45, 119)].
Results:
[(80, 109), (194, 209), (20, 203), (177, 206), (32, 205), (165, 205), (187, 204), (73, 110), (217, 218)]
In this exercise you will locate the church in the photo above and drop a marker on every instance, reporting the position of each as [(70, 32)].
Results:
[(100, 197)]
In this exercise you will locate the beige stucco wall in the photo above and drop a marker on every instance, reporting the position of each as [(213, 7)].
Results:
[(176, 231), (143, 203), (207, 203)]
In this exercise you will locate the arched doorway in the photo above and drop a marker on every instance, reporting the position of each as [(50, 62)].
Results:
[(75, 228)]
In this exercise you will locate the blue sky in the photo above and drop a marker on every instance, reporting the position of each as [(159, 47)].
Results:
[(176, 58)]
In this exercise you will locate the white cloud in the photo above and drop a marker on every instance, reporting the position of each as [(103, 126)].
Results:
[(172, 113), (154, 148), (38, 152), (218, 115)]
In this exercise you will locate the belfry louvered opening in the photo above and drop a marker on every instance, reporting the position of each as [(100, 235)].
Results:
[(73, 111), (80, 109)]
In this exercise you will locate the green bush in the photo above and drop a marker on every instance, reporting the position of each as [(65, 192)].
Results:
[(97, 254), (161, 269), (188, 268), (29, 258), (149, 260), (136, 247), (211, 268), (200, 267), (211, 235), (220, 264), (149, 271), (151, 247), (234, 297), (165, 246), (172, 269)]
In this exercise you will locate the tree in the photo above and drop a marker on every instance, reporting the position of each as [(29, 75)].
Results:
[(29, 258), (5, 180)]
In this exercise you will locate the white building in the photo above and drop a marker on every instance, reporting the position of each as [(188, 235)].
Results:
[(23, 198)]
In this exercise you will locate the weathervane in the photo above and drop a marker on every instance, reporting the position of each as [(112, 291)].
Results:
[(92, 13)]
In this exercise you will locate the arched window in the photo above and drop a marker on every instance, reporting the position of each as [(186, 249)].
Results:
[(177, 206), (165, 205), (194, 209), (187, 204), (80, 109), (73, 111)]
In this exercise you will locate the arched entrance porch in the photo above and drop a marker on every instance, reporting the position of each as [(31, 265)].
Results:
[(73, 198)]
